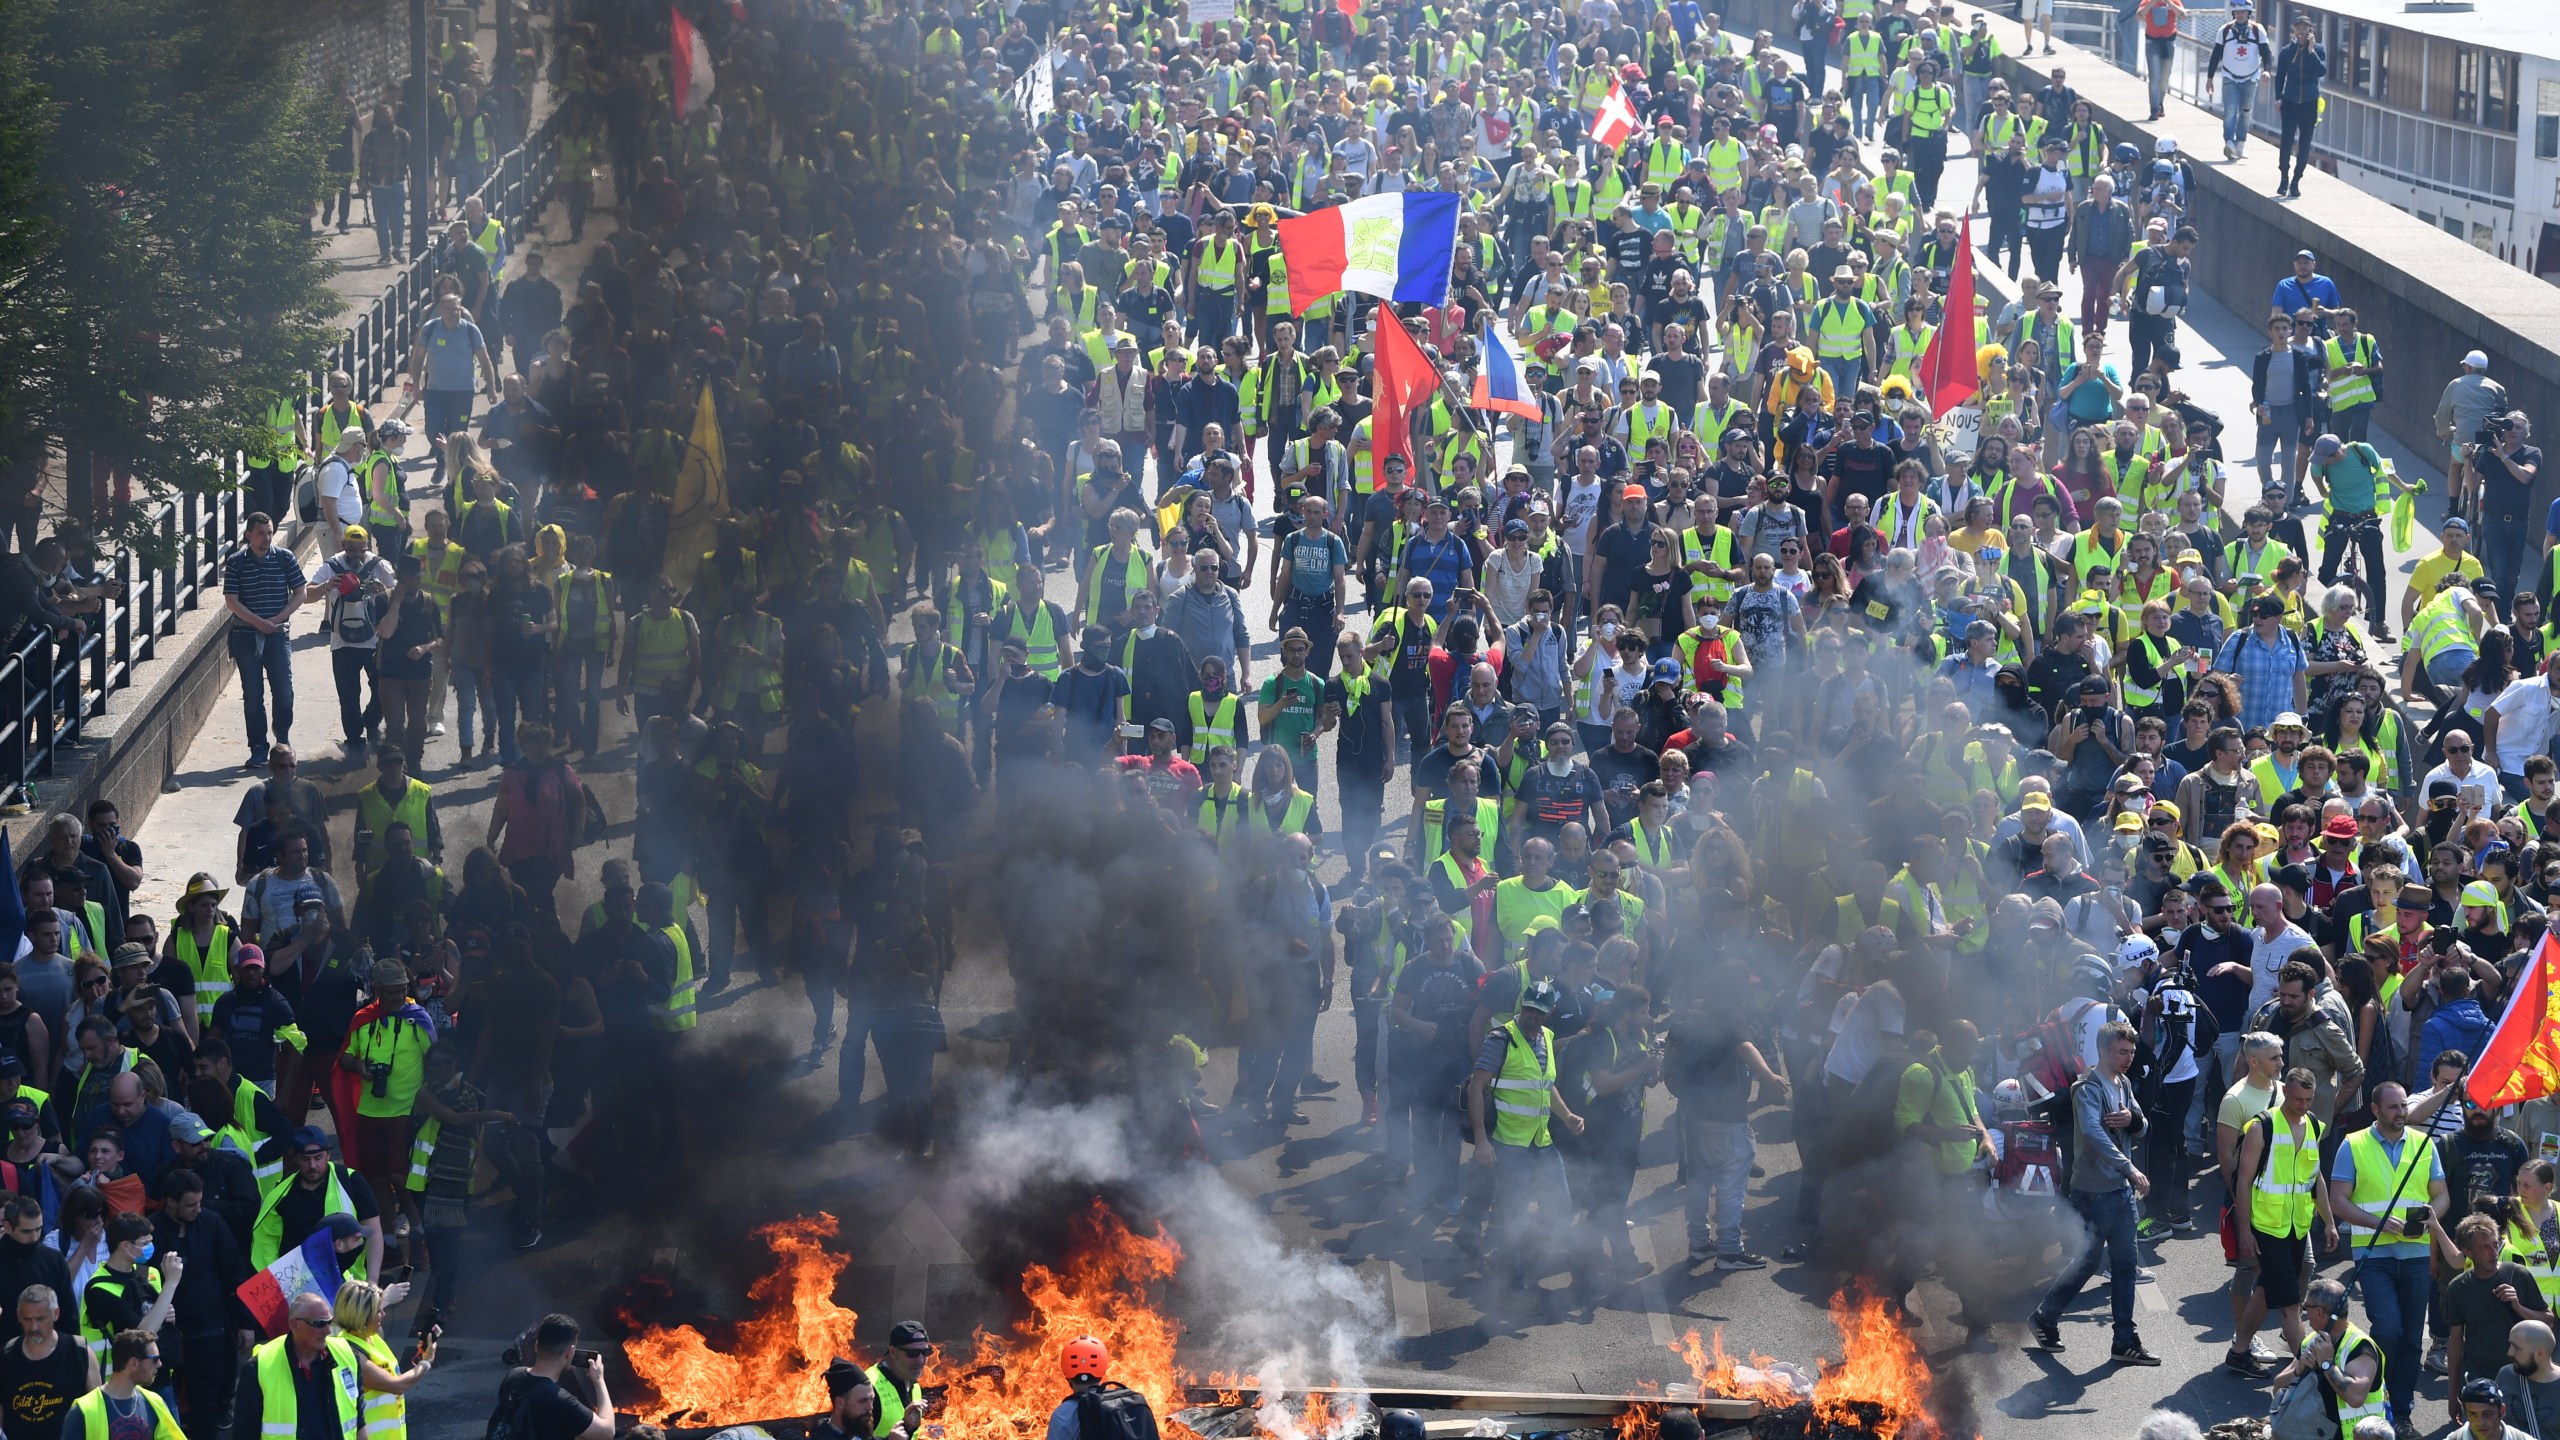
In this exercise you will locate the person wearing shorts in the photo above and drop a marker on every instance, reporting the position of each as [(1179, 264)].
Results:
[(2031, 13), (2279, 1200)]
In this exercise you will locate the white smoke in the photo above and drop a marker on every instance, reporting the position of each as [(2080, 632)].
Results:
[(1251, 1303)]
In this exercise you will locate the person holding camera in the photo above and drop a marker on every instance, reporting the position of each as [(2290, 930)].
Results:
[(561, 1393), (387, 1048), (2387, 1190)]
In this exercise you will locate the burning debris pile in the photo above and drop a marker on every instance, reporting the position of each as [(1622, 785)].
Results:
[(768, 1367)]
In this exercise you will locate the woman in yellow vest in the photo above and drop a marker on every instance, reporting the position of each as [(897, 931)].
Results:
[(2532, 1231), (385, 1408), (1274, 805)]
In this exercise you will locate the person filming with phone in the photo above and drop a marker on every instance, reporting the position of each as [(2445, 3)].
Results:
[(535, 1404)]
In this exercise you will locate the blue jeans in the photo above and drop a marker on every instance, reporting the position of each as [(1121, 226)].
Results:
[(2395, 1310), (265, 663), (470, 687), (2108, 1217), (1866, 97), (511, 687), (2239, 100), (1844, 374), (1719, 1154), (390, 217), (2280, 439)]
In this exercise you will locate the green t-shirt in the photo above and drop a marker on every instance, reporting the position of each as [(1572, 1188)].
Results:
[(2353, 479), (1293, 728), (400, 1044)]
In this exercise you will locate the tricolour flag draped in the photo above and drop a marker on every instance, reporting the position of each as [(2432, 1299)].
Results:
[(1615, 121), (1396, 246), (2522, 1059), (690, 70), (1951, 368), (1403, 382), (312, 1266), (1502, 383)]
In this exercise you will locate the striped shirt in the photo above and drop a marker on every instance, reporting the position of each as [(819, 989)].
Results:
[(265, 584)]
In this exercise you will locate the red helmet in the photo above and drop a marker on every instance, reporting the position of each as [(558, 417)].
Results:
[(1086, 1358)]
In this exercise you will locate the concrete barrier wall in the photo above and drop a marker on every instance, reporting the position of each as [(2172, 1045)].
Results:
[(2425, 295)]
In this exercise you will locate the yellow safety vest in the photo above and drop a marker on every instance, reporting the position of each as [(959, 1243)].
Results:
[(384, 509), (92, 1410), (1292, 817), (599, 634), (1218, 263), (933, 681), (1864, 52), (676, 1015), (386, 1416), (2282, 1199), (658, 649), (279, 1399), (1840, 329), (1210, 729), (1719, 554), (2439, 627), (1039, 638), (1523, 1093), (440, 574), (2377, 1179), (211, 965), (759, 682), (2374, 1399), (377, 814), (2349, 390)]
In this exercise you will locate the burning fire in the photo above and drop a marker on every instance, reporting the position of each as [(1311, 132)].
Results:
[(1881, 1387), (1014, 1380), (774, 1365)]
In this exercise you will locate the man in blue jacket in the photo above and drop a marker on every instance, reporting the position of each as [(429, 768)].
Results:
[(2300, 67)]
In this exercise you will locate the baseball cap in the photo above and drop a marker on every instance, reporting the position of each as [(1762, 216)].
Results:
[(2304, 255), (1666, 671), (2340, 827), (909, 1332), (1519, 528), (1161, 723), (2326, 449), (248, 957), (2128, 821), (190, 1128), (1632, 492), (2455, 522), (308, 1139), (2476, 359), (2166, 809)]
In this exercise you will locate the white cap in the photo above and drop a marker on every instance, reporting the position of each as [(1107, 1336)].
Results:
[(2167, 145), (2476, 360)]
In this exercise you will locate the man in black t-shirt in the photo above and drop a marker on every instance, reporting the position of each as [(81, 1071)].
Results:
[(2507, 473), (537, 1400), (41, 1373)]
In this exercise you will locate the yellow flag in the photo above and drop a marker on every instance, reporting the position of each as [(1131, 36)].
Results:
[(702, 496)]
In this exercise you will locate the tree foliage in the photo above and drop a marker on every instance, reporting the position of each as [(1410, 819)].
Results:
[(159, 287)]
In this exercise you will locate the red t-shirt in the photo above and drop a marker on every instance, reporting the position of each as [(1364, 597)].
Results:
[(1171, 783)]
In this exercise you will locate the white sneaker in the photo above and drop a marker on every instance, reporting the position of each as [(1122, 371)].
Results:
[(436, 731)]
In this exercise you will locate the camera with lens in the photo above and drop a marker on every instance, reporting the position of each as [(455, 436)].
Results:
[(378, 1074)]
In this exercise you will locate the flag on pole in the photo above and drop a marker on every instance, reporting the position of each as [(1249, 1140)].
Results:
[(1951, 368), (1616, 120), (311, 1265), (1396, 246), (690, 72), (1348, 7), (2522, 1059), (701, 498), (1403, 382), (1502, 383)]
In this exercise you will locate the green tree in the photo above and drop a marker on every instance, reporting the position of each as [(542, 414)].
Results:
[(172, 289)]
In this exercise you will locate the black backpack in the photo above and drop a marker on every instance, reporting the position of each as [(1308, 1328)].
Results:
[(1113, 1411)]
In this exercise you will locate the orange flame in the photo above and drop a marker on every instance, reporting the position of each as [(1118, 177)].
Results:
[(1012, 1381), (1640, 1421), (775, 1365), (1882, 1387)]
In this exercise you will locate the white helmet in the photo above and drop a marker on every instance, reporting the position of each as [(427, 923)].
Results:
[(2009, 1098), (2138, 952)]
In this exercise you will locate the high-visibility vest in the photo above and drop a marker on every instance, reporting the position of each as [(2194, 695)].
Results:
[(331, 429), (1523, 1091), (92, 1410), (1684, 230), (2523, 1245), (1719, 553), (1292, 817), (492, 237), (1039, 638), (676, 1014), (1863, 53), (385, 1415), (266, 1233), (1648, 421), (1569, 200), (1222, 813), (2282, 1197), (1710, 424), (1135, 573), (1840, 329), (1699, 656), (284, 452), (1660, 850), (2438, 627), (658, 649), (2138, 696), (599, 634), (758, 683), (210, 964), (1079, 309), (384, 510), (1218, 264), (104, 1276), (1275, 289), (2377, 1179), (1435, 826), (2347, 390), (1212, 728), (2088, 552), (1515, 905), (1928, 110), (2374, 1399), (377, 814), (1664, 159), (933, 680), (1724, 163), (439, 573), (279, 1397)]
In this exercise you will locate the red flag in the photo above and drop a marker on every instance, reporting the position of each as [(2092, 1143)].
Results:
[(690, 73), (1616, 120), (1348, 7), (1403, 381), (2522, 1059), (1951, 368)]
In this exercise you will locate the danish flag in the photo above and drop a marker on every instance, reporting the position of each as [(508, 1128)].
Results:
[(1616, 120)]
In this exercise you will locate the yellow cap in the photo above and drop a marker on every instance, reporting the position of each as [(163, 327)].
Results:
[(356, 532)]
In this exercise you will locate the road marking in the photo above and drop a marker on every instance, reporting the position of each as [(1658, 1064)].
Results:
[(1657, 1306), (913, 1244), (2150, 1298), (1412, 1301)]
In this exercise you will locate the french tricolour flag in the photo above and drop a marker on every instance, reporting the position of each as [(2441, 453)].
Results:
[(689, 70), (1501, 382), (1395, 246), (312, 1266)]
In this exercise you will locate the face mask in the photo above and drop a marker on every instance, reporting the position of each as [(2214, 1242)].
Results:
[(1146, 632), (149, 1249)]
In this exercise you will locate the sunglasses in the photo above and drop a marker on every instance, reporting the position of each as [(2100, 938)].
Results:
[(916, 1352)]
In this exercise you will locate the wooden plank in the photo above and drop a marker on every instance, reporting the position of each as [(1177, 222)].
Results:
[(1519, 1402)]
